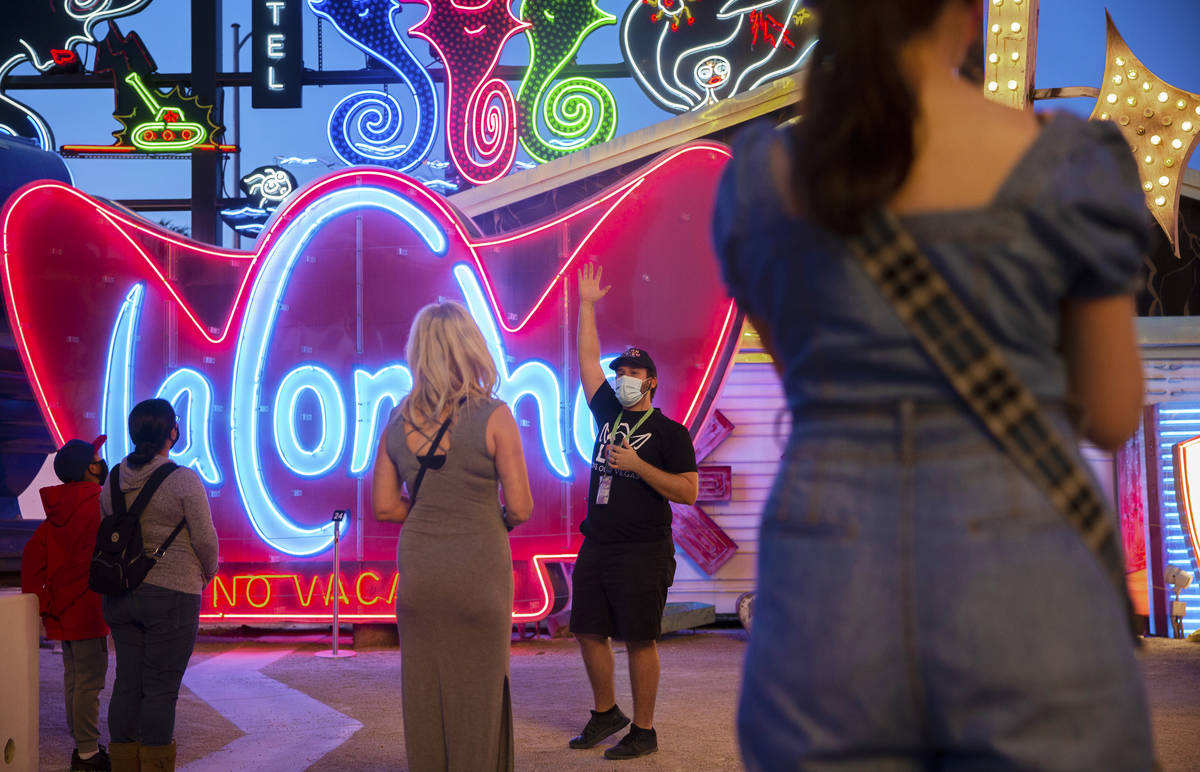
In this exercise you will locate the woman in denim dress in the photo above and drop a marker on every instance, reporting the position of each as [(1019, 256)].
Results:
[(921, 603)]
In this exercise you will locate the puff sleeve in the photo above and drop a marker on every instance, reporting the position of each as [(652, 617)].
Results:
[(737, 193), (1092, 214), (725, 231)]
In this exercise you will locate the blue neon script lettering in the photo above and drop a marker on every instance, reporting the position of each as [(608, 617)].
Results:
[(272, 525), (310, 384), (194, 450), (532, 379), (118, 377), (391, 384), (375, 393), (309, 462)]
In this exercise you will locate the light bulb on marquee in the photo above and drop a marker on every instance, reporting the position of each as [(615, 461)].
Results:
[(1011, 52), (1160, 140)]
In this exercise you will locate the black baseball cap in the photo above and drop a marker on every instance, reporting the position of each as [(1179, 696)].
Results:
[(73, 459), (635, 357)]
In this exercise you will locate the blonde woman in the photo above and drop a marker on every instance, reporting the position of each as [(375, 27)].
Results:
[(454, 601)]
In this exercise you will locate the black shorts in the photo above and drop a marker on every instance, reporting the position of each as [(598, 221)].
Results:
[(620, 590)]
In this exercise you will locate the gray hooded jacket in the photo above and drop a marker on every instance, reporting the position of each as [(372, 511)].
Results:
[(190, 562)]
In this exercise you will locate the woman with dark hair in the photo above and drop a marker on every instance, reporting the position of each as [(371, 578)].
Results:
[(922, 603), (154, 626)]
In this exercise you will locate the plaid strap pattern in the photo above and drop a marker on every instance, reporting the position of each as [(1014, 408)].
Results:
[(972, 363)]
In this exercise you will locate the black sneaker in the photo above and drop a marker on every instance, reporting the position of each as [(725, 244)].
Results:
[(639, 742), (599, 726), (98, 762)]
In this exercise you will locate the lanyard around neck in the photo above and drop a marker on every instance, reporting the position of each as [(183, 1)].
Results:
[(617, 423), (636, 426)]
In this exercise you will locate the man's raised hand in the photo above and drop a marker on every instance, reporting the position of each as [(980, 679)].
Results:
[(590, 290)]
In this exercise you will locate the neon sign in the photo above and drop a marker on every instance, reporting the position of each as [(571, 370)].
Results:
[(266, 188), (248, 592), (1187, 487), (685, 54), (168, 130), (483, 121), (481, 114), (580, 112), (284, 362), (44, 34), (367, 127), (151, 121), (276, 61)]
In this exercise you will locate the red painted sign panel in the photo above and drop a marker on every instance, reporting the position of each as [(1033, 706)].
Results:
[(701, 538)]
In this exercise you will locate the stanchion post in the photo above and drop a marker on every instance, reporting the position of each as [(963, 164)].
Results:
[(338, 516)]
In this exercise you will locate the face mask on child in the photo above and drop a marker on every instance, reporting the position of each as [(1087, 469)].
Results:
[(629, 390)]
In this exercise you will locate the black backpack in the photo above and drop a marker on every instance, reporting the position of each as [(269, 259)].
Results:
[(120, 561)]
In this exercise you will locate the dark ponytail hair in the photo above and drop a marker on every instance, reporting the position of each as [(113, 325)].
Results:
[(150, 425), (855, 146)]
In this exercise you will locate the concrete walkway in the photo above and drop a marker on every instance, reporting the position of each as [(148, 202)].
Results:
[(276, 688)]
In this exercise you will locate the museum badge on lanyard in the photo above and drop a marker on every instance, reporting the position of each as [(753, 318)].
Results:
[(605, 484)]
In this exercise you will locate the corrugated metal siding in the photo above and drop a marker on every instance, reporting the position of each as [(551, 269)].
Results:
[(1178, 421), (1174, 385), (753, 400)]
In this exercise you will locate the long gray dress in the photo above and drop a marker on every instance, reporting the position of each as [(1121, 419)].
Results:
[(454, 603)]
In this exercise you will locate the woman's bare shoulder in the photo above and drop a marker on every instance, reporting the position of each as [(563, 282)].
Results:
[(971, 133)]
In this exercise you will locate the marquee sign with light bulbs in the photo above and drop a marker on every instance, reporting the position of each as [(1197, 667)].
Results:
[(1160, 122)]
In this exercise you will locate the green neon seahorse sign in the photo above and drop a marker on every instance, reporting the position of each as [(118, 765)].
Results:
[(580, 112)]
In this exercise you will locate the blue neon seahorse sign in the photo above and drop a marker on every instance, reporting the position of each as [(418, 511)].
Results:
[(369, 127)]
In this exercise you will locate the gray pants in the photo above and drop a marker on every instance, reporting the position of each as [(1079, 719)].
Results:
[(85, 664)]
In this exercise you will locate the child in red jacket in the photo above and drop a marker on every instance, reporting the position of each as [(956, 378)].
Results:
[(55, 567)]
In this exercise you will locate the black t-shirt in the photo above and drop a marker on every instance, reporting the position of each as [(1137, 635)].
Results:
[(635, 512)]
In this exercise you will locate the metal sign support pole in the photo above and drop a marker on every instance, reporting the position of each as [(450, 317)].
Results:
[(335, 584)]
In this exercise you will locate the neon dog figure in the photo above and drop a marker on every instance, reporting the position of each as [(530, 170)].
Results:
[(284, 362), (668, 42)]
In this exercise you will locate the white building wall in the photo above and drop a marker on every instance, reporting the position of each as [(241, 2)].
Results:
[(753, 401)]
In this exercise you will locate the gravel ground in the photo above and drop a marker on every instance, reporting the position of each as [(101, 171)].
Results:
[(700, 677)]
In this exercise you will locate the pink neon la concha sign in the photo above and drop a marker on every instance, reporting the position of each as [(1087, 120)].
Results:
[(283, 362)]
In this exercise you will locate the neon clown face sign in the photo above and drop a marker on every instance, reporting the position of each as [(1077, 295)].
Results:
[(712, 74), (687, 54), (284, 362)]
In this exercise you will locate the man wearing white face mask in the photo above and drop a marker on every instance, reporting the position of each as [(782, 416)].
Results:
[(641, 462)]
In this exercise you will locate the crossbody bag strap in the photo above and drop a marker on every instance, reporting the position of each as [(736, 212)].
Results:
[(979, 374), (424, 460)]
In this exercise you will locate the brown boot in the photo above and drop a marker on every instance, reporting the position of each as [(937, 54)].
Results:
[(157, 758), (124, 757)]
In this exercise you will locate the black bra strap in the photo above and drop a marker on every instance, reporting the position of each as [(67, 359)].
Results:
[(424, 460)]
